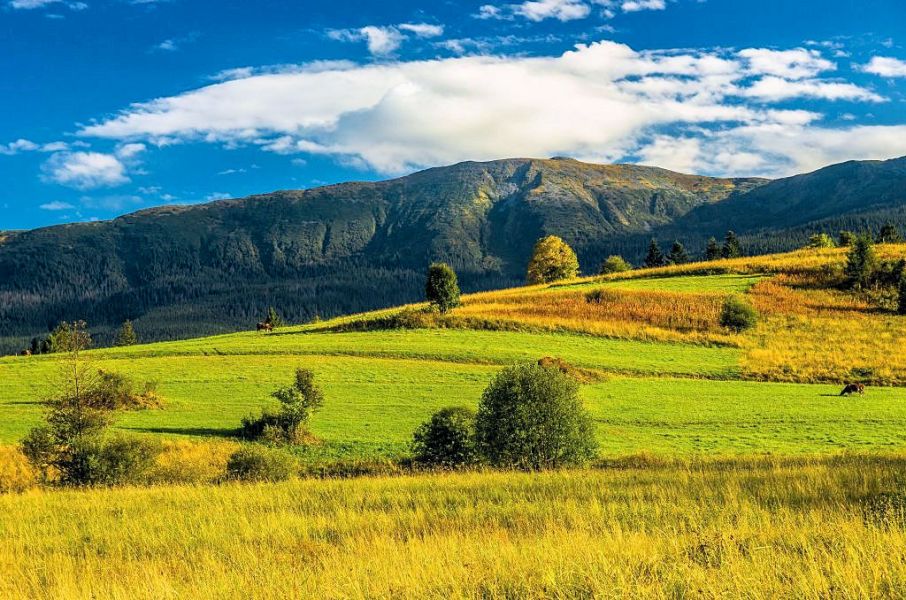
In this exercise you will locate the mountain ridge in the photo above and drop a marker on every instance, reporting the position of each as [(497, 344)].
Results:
[(181, 270)]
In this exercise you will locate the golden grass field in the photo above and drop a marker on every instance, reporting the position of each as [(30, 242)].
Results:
[(744, 528)]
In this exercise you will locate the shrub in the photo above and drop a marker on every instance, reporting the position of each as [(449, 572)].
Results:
[(442, 287), (289, 424), (615, 264), (821, 240), (447, 439), (531, 417), (552, 260), (113, 391), (861, 263), (259, 463), (847, 238), (124, 460), (737, 314)]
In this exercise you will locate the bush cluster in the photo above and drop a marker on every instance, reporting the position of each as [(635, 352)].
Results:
[(737, 314), (289, 423), (530, 417), (253, 463)]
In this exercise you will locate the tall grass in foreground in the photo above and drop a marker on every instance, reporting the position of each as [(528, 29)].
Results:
[(752, 528)]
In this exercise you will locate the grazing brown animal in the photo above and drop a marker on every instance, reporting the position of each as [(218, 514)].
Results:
[(265, 326), (25, 353), (853, 388)]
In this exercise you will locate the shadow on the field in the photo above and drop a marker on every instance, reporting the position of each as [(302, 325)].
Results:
[(189, 431)]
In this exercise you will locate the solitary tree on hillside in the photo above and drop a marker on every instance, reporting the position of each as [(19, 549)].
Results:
[(678, 255), (552, 260), (654, 258), (126, 336), (861, 263), (889, 234), (442, 287), (712, 252), (731, 248)]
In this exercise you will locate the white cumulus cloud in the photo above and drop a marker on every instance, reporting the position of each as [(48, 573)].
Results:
[(385, 40), (886, 66), (85, 170)]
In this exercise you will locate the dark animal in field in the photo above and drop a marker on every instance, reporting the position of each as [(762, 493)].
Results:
[(265, 326), (853, 388), (25, 353)]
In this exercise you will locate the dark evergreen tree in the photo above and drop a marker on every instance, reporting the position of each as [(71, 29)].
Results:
[(861, 263), (847, 238), (654, 258), (731, 248), (126, 336), (274, 318), (442, 287), (889, 234), (678, 255), (712, 251)]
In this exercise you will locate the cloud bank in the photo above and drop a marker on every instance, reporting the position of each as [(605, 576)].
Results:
[(703, 111)]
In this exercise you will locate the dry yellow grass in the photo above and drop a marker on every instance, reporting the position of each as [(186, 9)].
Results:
[(645, 315), (754, 529)]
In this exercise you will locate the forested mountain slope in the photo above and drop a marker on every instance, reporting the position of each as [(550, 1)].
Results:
[(181, 271)]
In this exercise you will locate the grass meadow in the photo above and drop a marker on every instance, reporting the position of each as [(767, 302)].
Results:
[(753, 528), (729, 466)]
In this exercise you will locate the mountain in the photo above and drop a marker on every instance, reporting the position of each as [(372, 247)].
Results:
[(181, 271)]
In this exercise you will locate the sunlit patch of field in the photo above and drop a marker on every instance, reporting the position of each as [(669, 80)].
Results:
[(757, 528)]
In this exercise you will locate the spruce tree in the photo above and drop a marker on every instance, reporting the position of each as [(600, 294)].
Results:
[(654, 258), (126, 336), (274, 318), (712, 252), (678, 255), (861, 263), (889, 234), (731, 248), (442, 287)]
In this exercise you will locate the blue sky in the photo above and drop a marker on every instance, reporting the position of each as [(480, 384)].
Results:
[(110, 106)]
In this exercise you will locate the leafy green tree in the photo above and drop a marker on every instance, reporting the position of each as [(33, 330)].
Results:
[(731, 248), (447, 439), (678, 255), (442, 287), (126, 336), (737, 314), (531, 417), (289, 424), (654, 258), (72, 445), (889, 234), (861, 263), (847, 238), (274, 318), (615, 264), (712, 251), (821, 240), (552, 260), (66, 336)]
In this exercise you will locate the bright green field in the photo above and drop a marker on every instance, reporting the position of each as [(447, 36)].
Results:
[(726, 284), (381, 385), (660, 398)]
